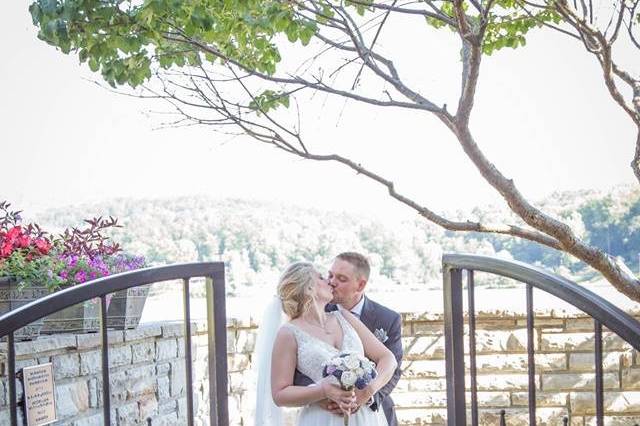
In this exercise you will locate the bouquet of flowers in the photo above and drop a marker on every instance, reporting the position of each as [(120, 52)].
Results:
[(352, 371)]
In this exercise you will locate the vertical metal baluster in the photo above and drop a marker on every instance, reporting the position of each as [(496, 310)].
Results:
[(106, 386), (599, 380), (503, 420), (11, 378), (187, 349), (217, 330), (211, 330), (454, 347), (531, 357), (472, 347)]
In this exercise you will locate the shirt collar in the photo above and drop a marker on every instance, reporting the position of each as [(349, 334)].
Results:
[(358, 308)]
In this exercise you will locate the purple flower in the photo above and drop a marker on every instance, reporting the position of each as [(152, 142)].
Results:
[(80, 276), (330, 369)]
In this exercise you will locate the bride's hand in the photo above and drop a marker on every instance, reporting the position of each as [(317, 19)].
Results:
[(345, 399)]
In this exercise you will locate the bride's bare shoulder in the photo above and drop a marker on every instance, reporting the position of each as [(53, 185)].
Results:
[(286, 334)]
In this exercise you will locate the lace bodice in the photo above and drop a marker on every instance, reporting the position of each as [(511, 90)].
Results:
[(313, 352)]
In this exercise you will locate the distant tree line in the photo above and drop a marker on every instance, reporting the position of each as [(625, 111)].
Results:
[(257, 239)]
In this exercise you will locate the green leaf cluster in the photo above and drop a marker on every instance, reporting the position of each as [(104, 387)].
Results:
[(269, 100), (125, 41), (509, 30)]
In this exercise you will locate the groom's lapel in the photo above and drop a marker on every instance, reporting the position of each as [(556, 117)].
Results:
[(367, 315)]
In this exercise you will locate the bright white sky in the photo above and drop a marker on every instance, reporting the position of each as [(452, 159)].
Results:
[(542, 115)]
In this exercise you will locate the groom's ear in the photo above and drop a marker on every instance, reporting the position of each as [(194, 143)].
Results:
[(362, 283)]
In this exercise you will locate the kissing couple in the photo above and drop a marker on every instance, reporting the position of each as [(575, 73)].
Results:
[(316, 319)]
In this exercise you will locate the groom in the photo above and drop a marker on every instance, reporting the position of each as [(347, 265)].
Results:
[(348, 276)]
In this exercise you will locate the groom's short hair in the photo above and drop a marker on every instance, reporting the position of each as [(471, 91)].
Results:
[(359, 262)]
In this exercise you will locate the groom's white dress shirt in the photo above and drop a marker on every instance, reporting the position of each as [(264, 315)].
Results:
[(357, 310)]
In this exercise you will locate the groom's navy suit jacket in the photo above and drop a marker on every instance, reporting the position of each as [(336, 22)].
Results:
[(377, 317)]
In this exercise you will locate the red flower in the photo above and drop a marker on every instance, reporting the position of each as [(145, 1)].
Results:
[(5, 249), (43, 245), (23, 241), (13, 234)]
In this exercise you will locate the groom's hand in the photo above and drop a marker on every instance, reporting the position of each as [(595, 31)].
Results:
[(362, 397)]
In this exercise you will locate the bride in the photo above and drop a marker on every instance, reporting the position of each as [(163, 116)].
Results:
[(310, 338)]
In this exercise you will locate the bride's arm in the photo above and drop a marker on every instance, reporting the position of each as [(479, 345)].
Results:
[(376, 351), (283, 365)]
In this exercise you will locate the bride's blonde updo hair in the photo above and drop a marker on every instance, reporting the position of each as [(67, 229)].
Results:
[(295, 288)]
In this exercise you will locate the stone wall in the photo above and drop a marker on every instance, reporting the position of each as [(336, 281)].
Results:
[(565, 376), (147, 372), (147, 375)]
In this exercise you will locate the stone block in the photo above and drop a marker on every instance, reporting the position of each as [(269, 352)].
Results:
[(428, 329), (45, 344), (231, 342), (245, 341), (164, 388), (167, 407), (421, 417), (553, 323), (499, 382), (423, 347), (614, 421), (426, 385), (421, 399), (579, 324), (166, 349), (93, 340), (148, 407), (583, 403), (174, 329), (581, 342), (238, 382), (586, 361), (424, 369), (543, 399), (143, 332), (90, 362), (93, 393), (143, 351), (64, 366), (170, 419), (119, 356), (72, 399), (128, 414), (177, 377), (93, 420), (238, 362), (519, 363), (631, 379), (140, 382), (491, 341), (575, 381), (163, 368)]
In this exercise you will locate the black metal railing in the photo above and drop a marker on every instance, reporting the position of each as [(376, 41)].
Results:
[(603, 313), (100, 288)]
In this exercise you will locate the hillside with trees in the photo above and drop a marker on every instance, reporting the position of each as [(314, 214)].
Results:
[(257, 239)]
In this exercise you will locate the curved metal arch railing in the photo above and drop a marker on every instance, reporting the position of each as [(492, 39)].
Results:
[(213, 272), (603, 312)]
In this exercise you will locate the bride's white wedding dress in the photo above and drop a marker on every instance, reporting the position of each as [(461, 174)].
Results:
[(312, 354)]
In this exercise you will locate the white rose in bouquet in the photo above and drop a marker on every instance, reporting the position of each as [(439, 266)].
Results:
[(348, 379), (352, 361)]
